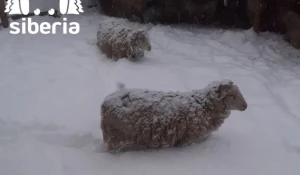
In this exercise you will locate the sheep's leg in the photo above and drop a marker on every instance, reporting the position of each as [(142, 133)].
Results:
[(106, 49), (116, 140), (103, 128), (109, 51), (120, 54), (255, 10), (116, 50), (203, 138), (117, 146), (113, 146), (182, 143), (130, 54), (135, 53), (139, 53)]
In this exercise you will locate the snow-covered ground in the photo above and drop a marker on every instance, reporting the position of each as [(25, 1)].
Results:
[(51, 88)]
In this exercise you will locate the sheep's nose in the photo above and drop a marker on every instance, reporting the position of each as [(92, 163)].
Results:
[(149, 48), (244, 107)]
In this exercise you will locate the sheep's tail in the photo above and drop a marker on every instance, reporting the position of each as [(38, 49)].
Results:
[(120, 86)]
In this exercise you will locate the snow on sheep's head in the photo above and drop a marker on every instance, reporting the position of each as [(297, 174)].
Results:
[(142, 40), (231, 95)]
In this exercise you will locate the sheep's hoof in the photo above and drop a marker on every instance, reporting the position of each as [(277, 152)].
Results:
[(112, 150), (116, 148)]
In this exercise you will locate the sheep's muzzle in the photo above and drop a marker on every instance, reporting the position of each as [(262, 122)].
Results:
[(244, 107)]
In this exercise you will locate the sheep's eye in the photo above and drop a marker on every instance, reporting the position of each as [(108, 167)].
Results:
[(233, 96)]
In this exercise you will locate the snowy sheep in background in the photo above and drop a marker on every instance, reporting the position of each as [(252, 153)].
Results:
[(119, 41), (155, 119)]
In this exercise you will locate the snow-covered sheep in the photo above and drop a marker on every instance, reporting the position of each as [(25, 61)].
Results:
[(155, 119), (117, 41)]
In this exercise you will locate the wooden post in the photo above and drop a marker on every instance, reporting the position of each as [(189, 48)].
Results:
[(3, 15)]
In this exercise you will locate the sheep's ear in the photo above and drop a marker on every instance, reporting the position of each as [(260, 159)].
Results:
[(223, 90), (141, 33)]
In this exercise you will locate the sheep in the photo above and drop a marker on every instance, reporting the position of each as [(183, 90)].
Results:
[(117, 41), (156, 119)]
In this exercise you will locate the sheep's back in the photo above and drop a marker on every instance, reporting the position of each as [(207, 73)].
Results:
[(133, 106), (112, 31), (157, 118)]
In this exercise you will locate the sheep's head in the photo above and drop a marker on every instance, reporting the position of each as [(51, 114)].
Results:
[(231, 96), (142, 40)]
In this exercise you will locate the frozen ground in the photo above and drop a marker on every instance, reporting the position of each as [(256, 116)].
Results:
[(51, 88)]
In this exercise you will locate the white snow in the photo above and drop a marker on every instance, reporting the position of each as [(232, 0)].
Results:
[(52, 86)]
